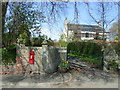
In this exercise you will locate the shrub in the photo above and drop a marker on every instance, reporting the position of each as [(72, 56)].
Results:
[(88, 51), (62, 44), (113, 64), (9, 54), (85, 48), (63, 66), (116, 38)]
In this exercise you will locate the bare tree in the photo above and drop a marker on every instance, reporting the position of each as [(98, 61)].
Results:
[(101, 13), (114, 30), (53, 10), (76, 12)]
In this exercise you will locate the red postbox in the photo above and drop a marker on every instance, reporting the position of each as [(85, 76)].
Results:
[(31, 57)]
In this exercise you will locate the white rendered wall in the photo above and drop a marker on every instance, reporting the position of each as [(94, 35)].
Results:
[(88, 38)]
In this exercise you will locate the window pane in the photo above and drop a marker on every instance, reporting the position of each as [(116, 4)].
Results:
[(87, 35), (83, 34), (90, 35)]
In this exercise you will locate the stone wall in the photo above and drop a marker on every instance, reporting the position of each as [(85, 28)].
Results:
[(46, 59), (110, 55)]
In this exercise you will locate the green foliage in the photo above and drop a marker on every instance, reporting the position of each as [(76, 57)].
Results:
[(90, 59), (97, 61), (113, 64), (116, 38), (23, 13), (19, 21), (37, 41), (64, 64), (63, 43), (9, 55), (85, 48), (24, 38), (88, 51), (6, 39), (73, 55), (50, 42), (62, 37)]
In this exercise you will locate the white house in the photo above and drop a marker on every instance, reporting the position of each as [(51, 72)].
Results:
[(82, 32)]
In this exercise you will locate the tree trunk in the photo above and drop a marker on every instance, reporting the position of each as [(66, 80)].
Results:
[(4, 10)]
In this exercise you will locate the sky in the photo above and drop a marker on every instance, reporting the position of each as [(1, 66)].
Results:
[(55, 29), (84, 18)]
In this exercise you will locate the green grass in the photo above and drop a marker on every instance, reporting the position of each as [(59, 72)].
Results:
[(94, 60)]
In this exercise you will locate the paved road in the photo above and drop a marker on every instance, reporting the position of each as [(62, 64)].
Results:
[(68, 80), (83, 77)]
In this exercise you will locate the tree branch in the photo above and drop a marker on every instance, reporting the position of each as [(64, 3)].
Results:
[(91, 13)]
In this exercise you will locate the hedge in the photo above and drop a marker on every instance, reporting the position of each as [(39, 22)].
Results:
[(89, 51), (9, 54), (85, 48)]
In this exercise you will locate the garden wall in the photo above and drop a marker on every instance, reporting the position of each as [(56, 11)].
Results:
[(106, 58), (47, 59), (111, 56)]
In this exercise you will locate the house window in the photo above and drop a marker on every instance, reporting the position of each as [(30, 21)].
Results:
[(90, 35), (83, 34), (87, 35)]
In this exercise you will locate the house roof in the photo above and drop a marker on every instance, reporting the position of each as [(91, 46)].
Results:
[(84, 27)]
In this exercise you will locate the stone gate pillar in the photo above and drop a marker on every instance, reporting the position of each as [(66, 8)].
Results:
[(50, 58), (19, 68), (109, 55), (45, 59)]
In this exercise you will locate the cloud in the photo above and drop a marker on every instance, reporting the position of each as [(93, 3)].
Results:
[(53, 34)]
